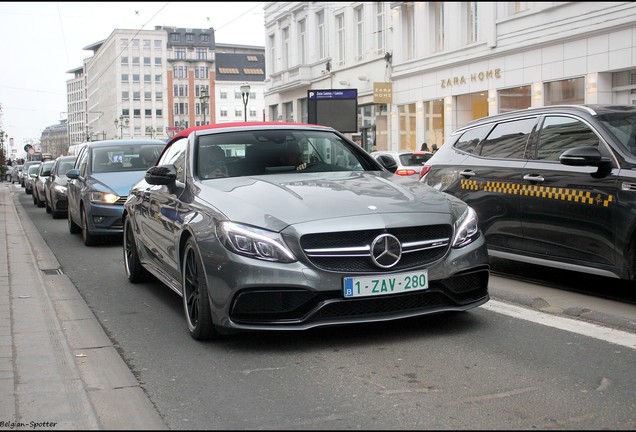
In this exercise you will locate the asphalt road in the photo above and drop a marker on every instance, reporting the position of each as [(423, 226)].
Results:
[(474, 370)]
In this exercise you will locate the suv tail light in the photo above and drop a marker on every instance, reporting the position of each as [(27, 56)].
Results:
[(405, 172), (425, 169)]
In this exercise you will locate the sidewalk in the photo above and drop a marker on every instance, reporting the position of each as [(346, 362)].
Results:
[(58, 369)]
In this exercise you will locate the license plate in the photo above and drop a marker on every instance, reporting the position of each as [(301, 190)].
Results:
[(385, 284)]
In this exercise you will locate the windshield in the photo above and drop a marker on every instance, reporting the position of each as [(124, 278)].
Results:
[(243, 153), (125, 157), (623, 127)]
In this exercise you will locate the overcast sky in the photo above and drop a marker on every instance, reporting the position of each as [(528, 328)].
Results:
[(41, 41)]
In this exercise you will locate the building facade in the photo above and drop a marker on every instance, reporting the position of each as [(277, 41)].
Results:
[(423, 69), (150, 83)]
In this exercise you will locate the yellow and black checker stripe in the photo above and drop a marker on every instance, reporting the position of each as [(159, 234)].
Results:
[(552, 193)]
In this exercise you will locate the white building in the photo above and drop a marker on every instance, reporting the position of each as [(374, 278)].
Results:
[(422, 69)]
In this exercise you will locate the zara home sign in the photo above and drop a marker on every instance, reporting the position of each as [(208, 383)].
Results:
[(474, 77)]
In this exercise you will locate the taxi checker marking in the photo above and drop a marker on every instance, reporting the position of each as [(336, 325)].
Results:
[(563, 194)]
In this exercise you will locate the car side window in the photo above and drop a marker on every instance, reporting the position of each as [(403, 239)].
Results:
[(559, 133), (81, 161), (508, 140), (470, 139), (176, 155)]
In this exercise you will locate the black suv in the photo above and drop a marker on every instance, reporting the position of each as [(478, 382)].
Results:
[(553, 186)]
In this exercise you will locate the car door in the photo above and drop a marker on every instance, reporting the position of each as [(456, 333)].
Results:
[(568, 211), (74, 186), (159, 212)]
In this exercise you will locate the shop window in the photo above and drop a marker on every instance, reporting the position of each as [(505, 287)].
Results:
[(516, 98), (569, 91)]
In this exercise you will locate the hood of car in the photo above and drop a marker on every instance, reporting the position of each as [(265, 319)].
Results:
[(119, 182), (276, 201)]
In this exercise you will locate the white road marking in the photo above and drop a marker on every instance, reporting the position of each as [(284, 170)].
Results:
[(607, 334)]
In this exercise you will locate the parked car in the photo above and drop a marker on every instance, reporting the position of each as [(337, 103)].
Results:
[(32, 173), (407, 162), (38, 184), (99, 183), (25, 171), (272, 234), (55, 199), (552, 186)]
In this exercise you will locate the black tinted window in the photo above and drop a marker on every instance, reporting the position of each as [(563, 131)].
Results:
[(469, 139), (561, 133), (508, 140)]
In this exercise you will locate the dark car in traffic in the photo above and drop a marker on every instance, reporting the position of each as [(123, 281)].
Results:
[(56, 202), (99, 183), (257, 227), (38, 184), (25, 172), (552, 186)]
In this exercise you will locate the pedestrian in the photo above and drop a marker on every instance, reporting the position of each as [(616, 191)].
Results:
[(434, 148), (424, 147)]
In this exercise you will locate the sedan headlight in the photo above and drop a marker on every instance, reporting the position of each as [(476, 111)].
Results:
[(254, 242), (103, 197), (466, 229)]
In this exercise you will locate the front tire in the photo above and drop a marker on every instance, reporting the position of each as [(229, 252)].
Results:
[(89, 239), (196, 303), (134, 270)]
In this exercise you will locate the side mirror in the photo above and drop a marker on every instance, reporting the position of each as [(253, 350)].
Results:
[(73, 174), (583, 156), (161, 175)]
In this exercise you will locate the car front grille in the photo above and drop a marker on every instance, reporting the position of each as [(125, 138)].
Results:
[(296, 306), (350, 251)]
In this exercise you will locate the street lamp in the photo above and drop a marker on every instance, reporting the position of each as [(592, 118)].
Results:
[(122, 122), (245, 93), (204, 97), (150, 131)]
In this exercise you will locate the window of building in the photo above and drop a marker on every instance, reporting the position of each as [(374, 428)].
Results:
[(406, 117), (159, 113), (302, 41), (189, 37), (205, 38), (471, 22), (148, 113), (434, 122), (147, 78), (515, 98), (180, 53), (438, 14), (175, 37), (125, 112), (379, 27), (288, 110), (569, 91), (135, 43), (202, 54), (148, 95), (146, 61), (146, 43), (201, 72), (159, 95), (136, 95), (286, 48), (124, 78), (223, 112), (322, 35), (409, 31), (181, 108), (180, 90), (341, 39), (358, 13), (238, 111), (157, 44), (136, 113), (123, 43), (272, 53), (158, 61), (124, 61), (180, 71), (135, 61), (158, 79), (125, 95), (252, 112), (135, 78)]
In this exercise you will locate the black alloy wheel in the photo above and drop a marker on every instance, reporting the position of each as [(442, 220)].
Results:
[(196, 303), (134, 270), (89, 239)]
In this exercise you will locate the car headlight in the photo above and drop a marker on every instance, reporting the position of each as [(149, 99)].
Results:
[(60, 189), (254, 242), (103, 197), (466, 229)]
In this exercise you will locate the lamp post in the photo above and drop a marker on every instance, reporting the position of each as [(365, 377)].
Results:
[(121, 122), (204, 97), (150, 131), (245, 93)]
